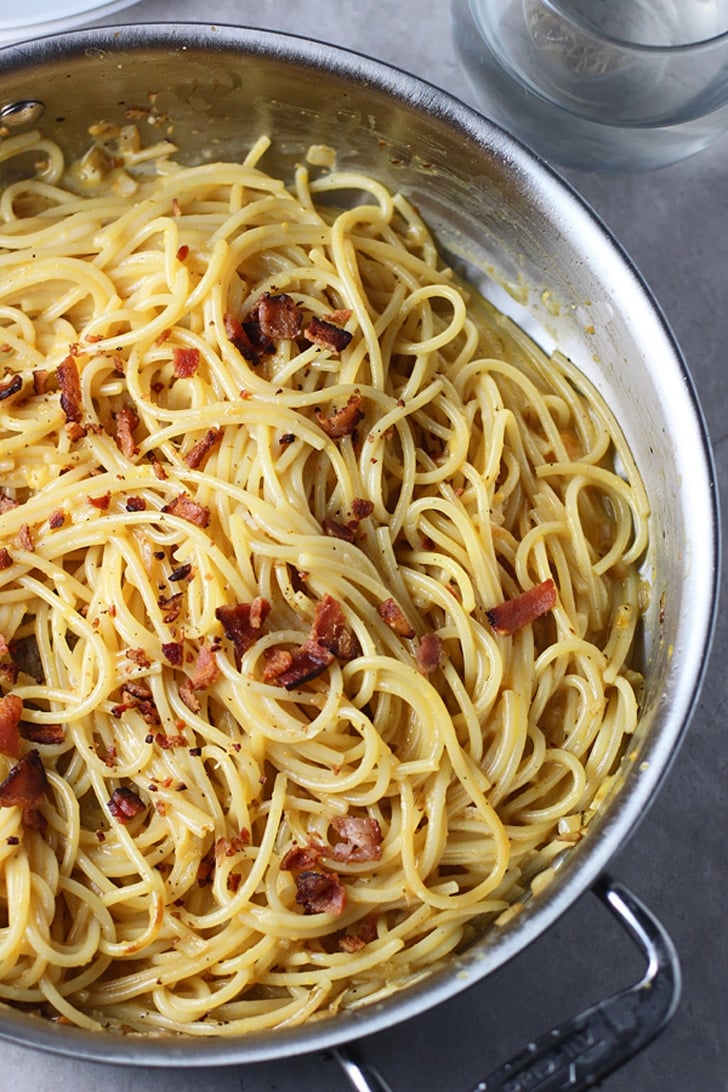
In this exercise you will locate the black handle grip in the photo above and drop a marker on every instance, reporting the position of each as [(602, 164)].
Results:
[(582, 1051)]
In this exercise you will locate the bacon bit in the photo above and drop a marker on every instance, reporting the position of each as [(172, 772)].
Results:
[(330, 630), (176, 207), (279, 316), (196, 456), (241, 623), (102, 502), (320, 893), (9, 673), (159, 470), (174, 652), (361, 839), (350, 943), (137, 695), (4, 646), (185, 361), (239, 337), (126, 422), (75, 431), (206, 869), (302, 858), (429, 653), (7, 504), (135, 504), (125, 804), (343, 421), (182, 252), (50, 735), (340, 317), (168, 743), (26, 784), (70, 383), (24, 539), (11, 710), (205, 671), (306, 663), (278, 661), (334, 529), (185, 508), (326, 335), (56, 519), (230, 847), (40, 381), (181, 573), (513, 614), (34, 819), (392, 614), (6, 560), (361, 508), (11, 386), (138, 656), (171, 605), (287, 438)]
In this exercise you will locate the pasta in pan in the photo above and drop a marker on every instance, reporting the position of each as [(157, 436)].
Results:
[(318, 585)]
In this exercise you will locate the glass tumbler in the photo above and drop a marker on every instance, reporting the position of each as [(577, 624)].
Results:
[(622, 85)]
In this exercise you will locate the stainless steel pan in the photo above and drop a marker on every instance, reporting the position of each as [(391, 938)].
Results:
[(540, 254)]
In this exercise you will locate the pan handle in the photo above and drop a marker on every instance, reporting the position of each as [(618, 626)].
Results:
[(583, 1050)]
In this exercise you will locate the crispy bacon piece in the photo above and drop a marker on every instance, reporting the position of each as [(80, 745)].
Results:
[(278, 661), (138, 656), (172, 607), (102, 502), (513, 614), (241, 623), (11, 710), (126, 422), (334, 529), (56, 519), (135, 694), (25, 538), (135, 504), (361, 508), (157, 467), (230, 846), (326, 335), (40, 380), (306, 663), (26, 784), (238, 335), (51, 735), (320, 893), (340, 317), (361, 839), (184, 507), (330, 630), (7, 503), (174, 652), (9, 387), (5, 559), (429, 653), (204, 674), (392, 614), (168, 743), (125, 804), (197, 454), (302, 858), (343, 421), (34, 819), (279, 316), (70, 383), (185, 362)]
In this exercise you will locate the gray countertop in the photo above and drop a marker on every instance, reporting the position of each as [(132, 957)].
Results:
[(671, 223)]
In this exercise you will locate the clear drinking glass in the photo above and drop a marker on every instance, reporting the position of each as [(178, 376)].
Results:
[(600, 84)]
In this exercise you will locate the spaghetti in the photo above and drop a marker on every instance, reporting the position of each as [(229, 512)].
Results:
[(318, 584)]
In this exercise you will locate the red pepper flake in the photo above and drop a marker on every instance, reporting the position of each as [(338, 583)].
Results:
[(326, 335), (135, 504), (11, 710), (513, 614), (168, 743), (320, 893), (185, 361), (343, 421), (390, 611), (184, 507), (125, 804), (26, 784), (182, 252), (102, 502)]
